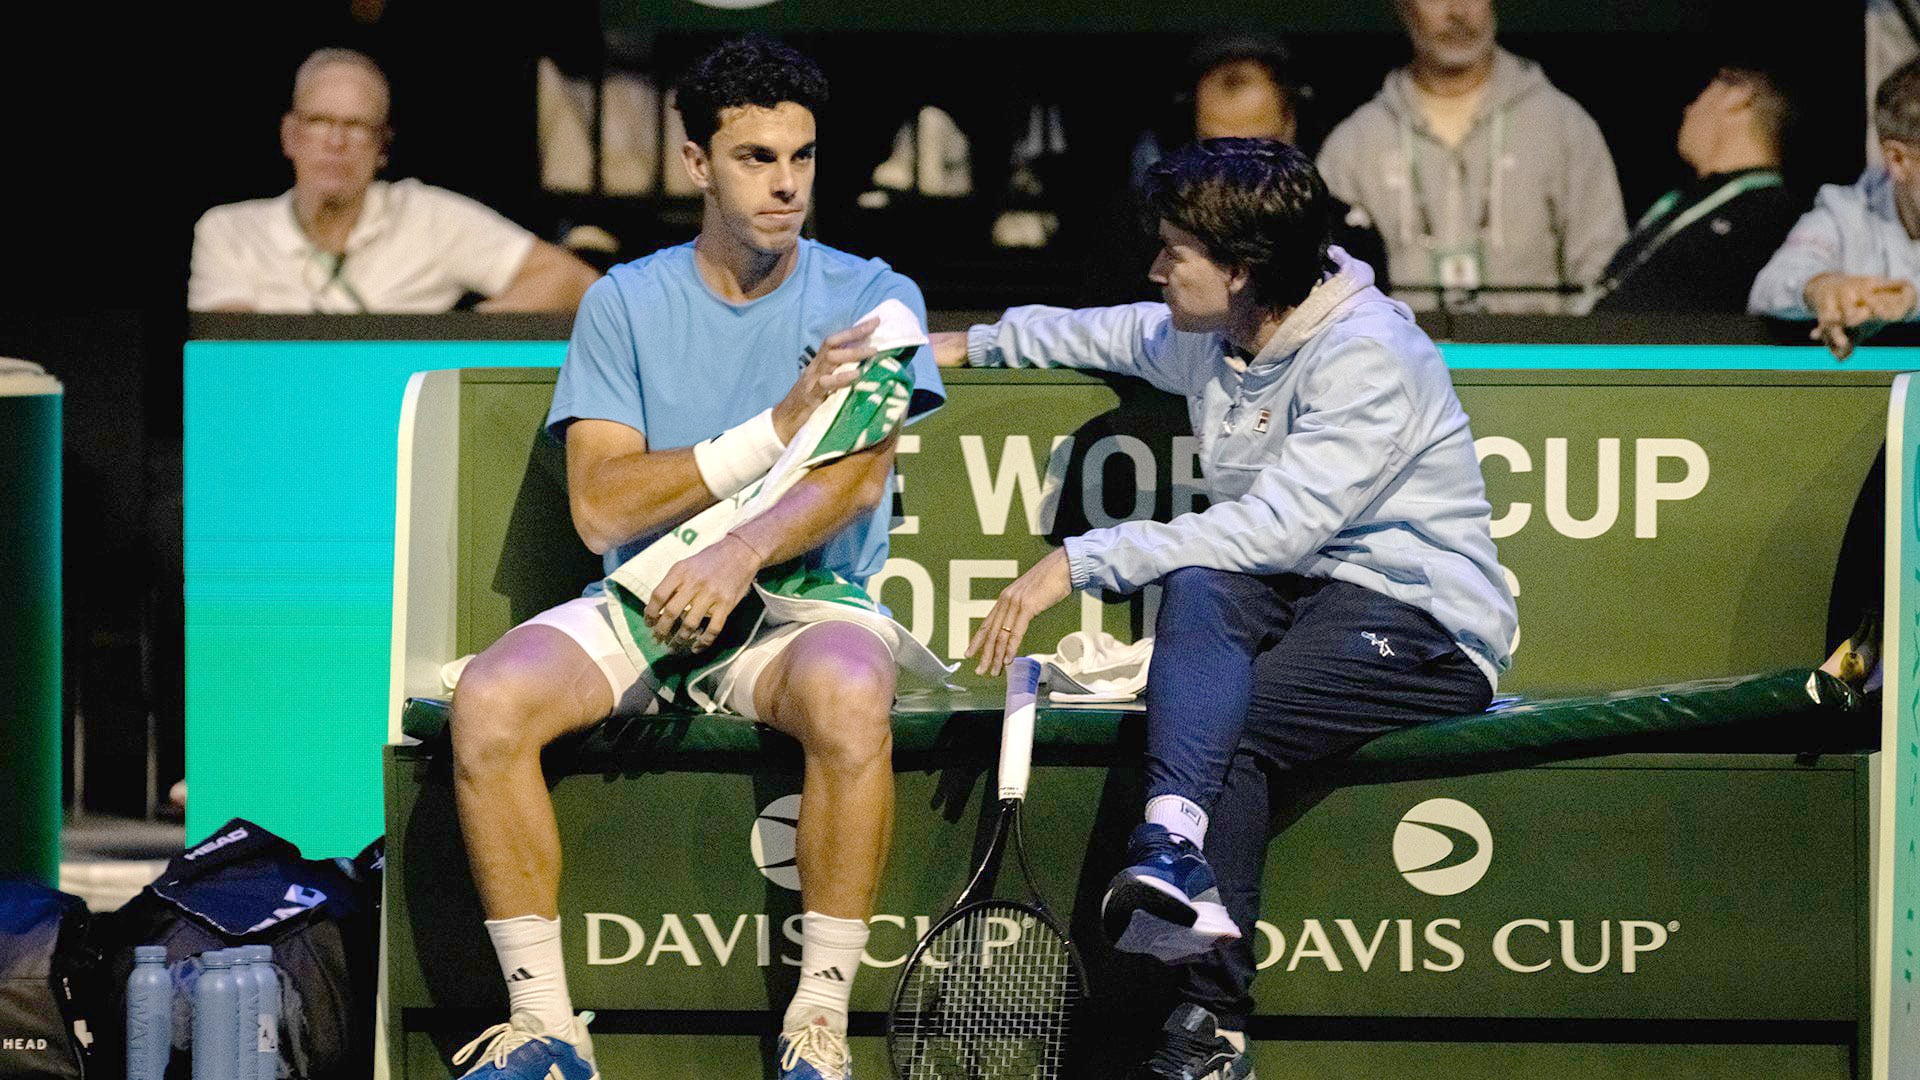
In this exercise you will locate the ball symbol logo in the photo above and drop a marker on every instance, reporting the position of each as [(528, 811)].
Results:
[(1442, 847), (773, 842)]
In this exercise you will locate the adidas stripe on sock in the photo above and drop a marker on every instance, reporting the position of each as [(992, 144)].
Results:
[(830, 951), (529, 951)]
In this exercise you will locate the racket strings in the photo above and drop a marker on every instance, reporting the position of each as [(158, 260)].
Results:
[(990, 997)]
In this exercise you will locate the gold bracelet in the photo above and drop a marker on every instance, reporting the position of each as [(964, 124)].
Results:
[(759, 558)]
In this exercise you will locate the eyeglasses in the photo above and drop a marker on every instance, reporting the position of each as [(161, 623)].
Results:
[(353, 132)]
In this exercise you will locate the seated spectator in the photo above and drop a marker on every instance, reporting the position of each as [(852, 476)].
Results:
[(1484, 180), (1851, 263), (341, 242), (1242, 87), (1700, 246)]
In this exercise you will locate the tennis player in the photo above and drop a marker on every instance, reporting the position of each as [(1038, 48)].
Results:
[(687, 373), (1341, 583)]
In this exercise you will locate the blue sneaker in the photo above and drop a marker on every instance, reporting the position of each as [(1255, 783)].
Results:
[(814, 1052), (522, 1049), (1192, 1048), (1167, 904)]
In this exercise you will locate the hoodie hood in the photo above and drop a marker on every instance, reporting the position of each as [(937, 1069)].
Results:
[(1328, 301), (1514, 78)]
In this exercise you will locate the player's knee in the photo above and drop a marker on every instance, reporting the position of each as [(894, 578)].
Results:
[(493, 713), (846, 708)]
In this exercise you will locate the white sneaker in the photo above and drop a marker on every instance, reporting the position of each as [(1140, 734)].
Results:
[(815, 1052), (522, 1049)]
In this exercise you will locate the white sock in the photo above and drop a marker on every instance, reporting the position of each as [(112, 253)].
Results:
[(1237, 1038), (830, 951), (1180, 816), (535, 970)]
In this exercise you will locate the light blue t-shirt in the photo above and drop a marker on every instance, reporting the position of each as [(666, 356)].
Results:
[(653, 348)]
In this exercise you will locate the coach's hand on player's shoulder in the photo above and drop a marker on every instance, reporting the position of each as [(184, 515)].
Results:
[(949, 348), (836, 365), (690, 605), (997, 641)]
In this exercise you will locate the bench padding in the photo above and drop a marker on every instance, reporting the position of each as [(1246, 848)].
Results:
[(1795, 711)]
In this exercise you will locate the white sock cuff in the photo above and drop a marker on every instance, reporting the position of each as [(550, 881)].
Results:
[(834, 933), (522, 930), (739, 455), (1180, 816)]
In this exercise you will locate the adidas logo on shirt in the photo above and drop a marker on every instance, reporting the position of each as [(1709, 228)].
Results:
[(520, 975), (831, 974)]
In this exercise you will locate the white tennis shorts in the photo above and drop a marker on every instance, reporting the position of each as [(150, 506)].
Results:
[(584, 619)]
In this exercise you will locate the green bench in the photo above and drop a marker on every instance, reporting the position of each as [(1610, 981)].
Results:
[(1677, 880), (1792, 712)]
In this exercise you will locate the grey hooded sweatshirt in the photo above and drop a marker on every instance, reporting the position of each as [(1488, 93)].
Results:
[(1339, 452), (1531, 187)]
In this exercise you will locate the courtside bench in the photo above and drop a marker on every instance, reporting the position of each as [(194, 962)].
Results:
[(1671, 882)]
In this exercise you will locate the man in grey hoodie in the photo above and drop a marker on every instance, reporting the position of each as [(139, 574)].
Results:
[(1486, 182), (1342, 582)]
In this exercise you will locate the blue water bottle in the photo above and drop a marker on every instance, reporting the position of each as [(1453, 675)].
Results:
[(149, 1014), (266, 1041), (244, 1037), (216, 1001)]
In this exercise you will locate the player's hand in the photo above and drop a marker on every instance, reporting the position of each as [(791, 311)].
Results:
[(1848, 306), (836, 365), (690, 605), (997, 641), (949, 348)]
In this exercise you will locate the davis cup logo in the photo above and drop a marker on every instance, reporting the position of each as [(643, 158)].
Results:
[(1442, 847), (773, 843)]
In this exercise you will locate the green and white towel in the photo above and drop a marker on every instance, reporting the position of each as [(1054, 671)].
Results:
[(850, 420)]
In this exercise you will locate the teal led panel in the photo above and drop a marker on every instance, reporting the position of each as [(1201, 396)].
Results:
[(290, 457)]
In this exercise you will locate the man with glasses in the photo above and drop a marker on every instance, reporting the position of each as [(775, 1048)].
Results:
[(342, 242), (1853, 261)]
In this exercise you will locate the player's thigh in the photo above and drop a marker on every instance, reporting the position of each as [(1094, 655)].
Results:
[(545, 678), (1353, 665), (831, 682)]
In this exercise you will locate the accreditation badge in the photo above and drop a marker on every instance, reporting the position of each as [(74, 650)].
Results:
[(1457, 268)]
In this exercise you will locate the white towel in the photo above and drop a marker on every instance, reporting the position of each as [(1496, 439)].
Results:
[(1096, 667)]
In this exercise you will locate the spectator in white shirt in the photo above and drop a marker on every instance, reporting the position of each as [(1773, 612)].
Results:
[(342, 242)]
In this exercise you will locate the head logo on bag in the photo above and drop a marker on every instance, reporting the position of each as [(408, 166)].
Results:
[(217, 843)]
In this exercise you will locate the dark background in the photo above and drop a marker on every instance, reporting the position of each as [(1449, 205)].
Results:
[(120, 128)]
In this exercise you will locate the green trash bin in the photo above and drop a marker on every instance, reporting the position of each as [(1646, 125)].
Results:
[(30, 401)]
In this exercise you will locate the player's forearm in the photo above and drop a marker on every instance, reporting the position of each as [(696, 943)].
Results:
[(636, 495), (816, 509)]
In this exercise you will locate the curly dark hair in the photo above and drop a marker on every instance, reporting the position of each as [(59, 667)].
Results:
[(1254, 204), (745, 71)]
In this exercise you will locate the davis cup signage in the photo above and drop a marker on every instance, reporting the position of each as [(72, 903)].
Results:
[(1442, 847)]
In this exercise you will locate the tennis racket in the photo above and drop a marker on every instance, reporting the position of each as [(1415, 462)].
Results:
[(990, 991)]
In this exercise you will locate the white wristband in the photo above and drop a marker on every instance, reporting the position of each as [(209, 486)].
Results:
[(739, 455)]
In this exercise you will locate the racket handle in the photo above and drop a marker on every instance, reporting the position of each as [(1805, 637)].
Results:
[(1016, 733)]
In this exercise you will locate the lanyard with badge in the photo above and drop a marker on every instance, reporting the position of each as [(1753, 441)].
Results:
[(1724, 194), (1458, 265)]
